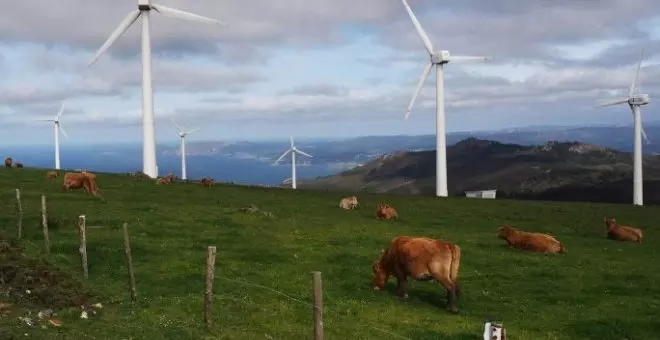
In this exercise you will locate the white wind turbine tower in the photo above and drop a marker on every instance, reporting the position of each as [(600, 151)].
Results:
[(635, 101), (149, 166), (183, 134), (58, 127), (437, 59), (293, 151)]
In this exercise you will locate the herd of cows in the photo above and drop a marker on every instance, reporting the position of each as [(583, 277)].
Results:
[(421, 258), (426, 259)]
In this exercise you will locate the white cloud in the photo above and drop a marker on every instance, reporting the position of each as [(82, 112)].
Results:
[(549, 56)]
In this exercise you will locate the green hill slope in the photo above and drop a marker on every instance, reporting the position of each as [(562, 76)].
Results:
[(600, 289), (567, 171)]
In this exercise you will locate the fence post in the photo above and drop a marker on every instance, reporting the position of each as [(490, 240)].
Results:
[(83, 244), (129, 263), (318, 305), (208, 294), (19, 209), (44, 223)]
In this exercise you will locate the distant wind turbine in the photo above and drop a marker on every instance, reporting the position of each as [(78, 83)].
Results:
[(58, 127), (437, 59), (149, 166), (635, 101), (183, 134), (293, 151)]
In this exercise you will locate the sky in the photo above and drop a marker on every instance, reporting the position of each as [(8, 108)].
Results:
[(321, 68)]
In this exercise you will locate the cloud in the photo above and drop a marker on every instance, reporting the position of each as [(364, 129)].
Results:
[(548, 57), (317, 90)]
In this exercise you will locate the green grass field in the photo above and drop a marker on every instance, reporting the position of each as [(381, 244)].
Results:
[(599, 289)]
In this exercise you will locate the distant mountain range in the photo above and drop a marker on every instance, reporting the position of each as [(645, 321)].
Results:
[(355, 151), (550, 171)]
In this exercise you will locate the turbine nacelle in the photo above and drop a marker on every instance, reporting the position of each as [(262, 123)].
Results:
[(144, 3), (639, 99), (440, 57)]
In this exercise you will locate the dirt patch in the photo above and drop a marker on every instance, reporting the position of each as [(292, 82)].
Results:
[(33, 281)]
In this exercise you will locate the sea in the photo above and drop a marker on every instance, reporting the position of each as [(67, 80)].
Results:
[(222, 168)]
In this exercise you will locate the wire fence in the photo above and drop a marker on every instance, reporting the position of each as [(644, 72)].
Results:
[(27, 214)]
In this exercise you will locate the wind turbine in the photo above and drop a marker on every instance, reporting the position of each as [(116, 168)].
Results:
[(293, 151), (437, 59), (58, 127), (635, 101), (183, 134), (149, 166)]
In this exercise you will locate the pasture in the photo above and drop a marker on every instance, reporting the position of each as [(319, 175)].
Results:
[(599, 289)]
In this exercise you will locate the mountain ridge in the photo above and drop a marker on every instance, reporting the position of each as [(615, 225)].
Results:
[(547, 171)]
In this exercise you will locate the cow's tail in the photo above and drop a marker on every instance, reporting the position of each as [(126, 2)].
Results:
[(455, 264)]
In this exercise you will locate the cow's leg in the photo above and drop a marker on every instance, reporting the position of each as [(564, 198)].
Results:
[(402, 283), (451, 293)]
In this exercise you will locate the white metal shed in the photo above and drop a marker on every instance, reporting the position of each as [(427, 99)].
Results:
[(490, 194)]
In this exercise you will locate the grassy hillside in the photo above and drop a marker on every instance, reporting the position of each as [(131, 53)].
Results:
[(553, 171), (600, 289)]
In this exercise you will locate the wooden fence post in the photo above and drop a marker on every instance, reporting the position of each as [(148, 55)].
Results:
[(129, 263), (318, 305), (83, 244), (44, 223), (208, 293), (19, 209)]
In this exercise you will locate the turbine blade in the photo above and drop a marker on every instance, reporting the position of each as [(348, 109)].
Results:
[(420, 30), (191, 131), (175, 13), (613, 102), (176, 125), (303, 153), (291, 139), (59, 114), (420, 84), (283, 155), (44, 120), (646, 139), (123, 26), (633, 87), (63, 131), (469, 58)]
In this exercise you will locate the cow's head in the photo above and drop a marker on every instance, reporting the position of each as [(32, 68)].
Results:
[(504, 231), (609, 222), (379, 274)]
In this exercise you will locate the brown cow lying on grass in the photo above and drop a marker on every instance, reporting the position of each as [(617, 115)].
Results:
[(348, 203), (81, 180), (51, 174), (535, 242), (18, 164), (423, 259), (622, 232), (166, 180), (386, 212), (207, 182), (8, 162)]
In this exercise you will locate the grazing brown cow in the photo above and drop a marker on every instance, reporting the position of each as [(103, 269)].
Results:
[(423, 259), (8, 162), (622, 232), (348, 203), (385, 211), (51, 174), (535, 242), (207, 182), (78, 180)]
